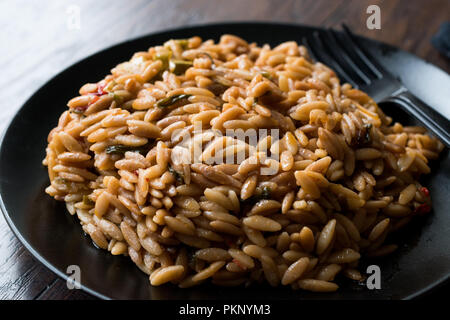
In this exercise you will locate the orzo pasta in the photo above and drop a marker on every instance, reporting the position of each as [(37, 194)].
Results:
[(328, 177)]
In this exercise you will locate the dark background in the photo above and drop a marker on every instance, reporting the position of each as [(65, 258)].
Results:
[(37, 43)]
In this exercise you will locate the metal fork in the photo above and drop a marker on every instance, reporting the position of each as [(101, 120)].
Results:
[(355, 65)]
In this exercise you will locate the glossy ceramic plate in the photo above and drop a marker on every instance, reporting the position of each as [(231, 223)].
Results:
[(56, 239)]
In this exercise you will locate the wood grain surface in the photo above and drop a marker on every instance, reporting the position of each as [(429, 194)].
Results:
[(37, 43)]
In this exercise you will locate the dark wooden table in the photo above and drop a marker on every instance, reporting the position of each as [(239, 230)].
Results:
[(41, 38)]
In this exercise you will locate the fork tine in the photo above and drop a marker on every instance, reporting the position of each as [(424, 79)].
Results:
[(316, 46), (310, 50), (365, 56), (338, 50)]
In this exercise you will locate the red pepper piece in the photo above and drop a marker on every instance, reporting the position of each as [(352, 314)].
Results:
[(80, 109), (94, 99), (423, 208), (229, 242), (425, 191), (100, 88), (239, 264)]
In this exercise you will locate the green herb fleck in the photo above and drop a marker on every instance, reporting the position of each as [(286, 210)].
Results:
[(177, 175), (362, 137), (265, 194), (118, 99), (179, 66), (183, 43), (167, 102), (266, 74), (61, 181), (368, 127), (121, 149), (164, 57), (87, 201)]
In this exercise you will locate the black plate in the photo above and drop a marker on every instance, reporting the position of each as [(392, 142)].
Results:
[(55, 238)]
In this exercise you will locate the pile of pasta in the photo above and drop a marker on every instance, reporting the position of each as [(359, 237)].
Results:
[(328, 181)]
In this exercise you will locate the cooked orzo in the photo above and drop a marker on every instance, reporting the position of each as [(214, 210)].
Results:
[(146, 161)]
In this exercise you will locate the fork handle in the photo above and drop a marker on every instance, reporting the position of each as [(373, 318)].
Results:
[(433, 120)]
